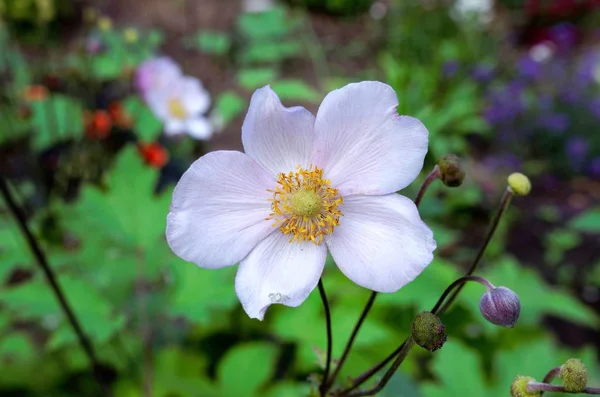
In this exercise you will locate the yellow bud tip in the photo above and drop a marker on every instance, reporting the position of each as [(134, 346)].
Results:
[(104, 23), (574, 375), (519, 184), (519, 387), (130, 35)]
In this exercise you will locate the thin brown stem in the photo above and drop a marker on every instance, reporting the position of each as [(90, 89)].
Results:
[(43, 264), (350, 342), (553, 373), (390, 372), (533, 387), (458, 284), (504, 202), (323, 386), (433, 175)]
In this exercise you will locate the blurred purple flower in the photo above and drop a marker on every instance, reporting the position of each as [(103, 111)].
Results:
[(595, 167), (564, 36), (595, 107), (450, 68), (528, 68), (482, 73), (576, 150), (555, 122)]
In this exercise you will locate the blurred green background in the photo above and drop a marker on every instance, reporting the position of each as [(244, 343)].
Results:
[(507, 86)]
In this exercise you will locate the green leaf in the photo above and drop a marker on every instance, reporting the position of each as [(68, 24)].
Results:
[(229, 105), (55, 118), (460, 373), (201, 293), (34, 300), (295, 90), (146, 125), (213, 42), (588, 221), (251, 79), (264, 25), (288, 389), (272, 51), (245, 368), (129, 214)]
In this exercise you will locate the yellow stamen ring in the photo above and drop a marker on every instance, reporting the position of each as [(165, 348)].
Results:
[(305, 205)]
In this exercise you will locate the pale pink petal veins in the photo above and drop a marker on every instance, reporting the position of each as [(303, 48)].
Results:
[(278, 138), (219, 208), (381, 243), (278, 271), (363, 145)]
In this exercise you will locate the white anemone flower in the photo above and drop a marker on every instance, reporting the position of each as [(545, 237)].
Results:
[(181, 105), (155, 74), (306, 185)]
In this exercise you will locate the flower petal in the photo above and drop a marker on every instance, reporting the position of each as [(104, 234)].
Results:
[(219, 208), (199, 128), (363, 145), (381, 243), (277, 271), (174, 127), (194, 96), (278, 138)]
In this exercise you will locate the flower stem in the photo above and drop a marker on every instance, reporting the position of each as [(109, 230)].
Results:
[(533, 387), (553, 373), (433, 175), (323, 386), (390, 372), (459, 283), (350, 342), (504, 202), (42, 262)]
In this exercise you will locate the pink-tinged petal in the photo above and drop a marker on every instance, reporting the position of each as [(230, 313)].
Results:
[(156, 73), (219, 208), (278, 138), (381, 243), (199, 128), (363, 145), (277, 271)]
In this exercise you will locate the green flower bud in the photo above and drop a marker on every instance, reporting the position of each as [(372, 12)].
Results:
[(519, 387), (428, 331), (574, 375), (519, 184), (451, 171)]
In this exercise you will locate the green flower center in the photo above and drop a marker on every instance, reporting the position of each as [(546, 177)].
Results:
[(306, 203)]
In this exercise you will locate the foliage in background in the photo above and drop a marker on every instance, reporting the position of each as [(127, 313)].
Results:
[(136, 299)]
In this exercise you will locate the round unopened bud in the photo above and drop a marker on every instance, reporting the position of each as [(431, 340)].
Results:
[(519, 184), (451, 170), (428, 331), (519, 387), (500, 306), (574, 375)]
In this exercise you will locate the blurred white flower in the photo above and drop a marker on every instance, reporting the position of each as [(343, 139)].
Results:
[(181, 105), (154, 74), (306, 185), (481, 10)]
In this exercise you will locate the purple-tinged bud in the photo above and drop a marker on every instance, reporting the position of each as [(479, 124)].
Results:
[(428, 331), (574, 375), (519, 387), (451, 170), (500, 306)]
